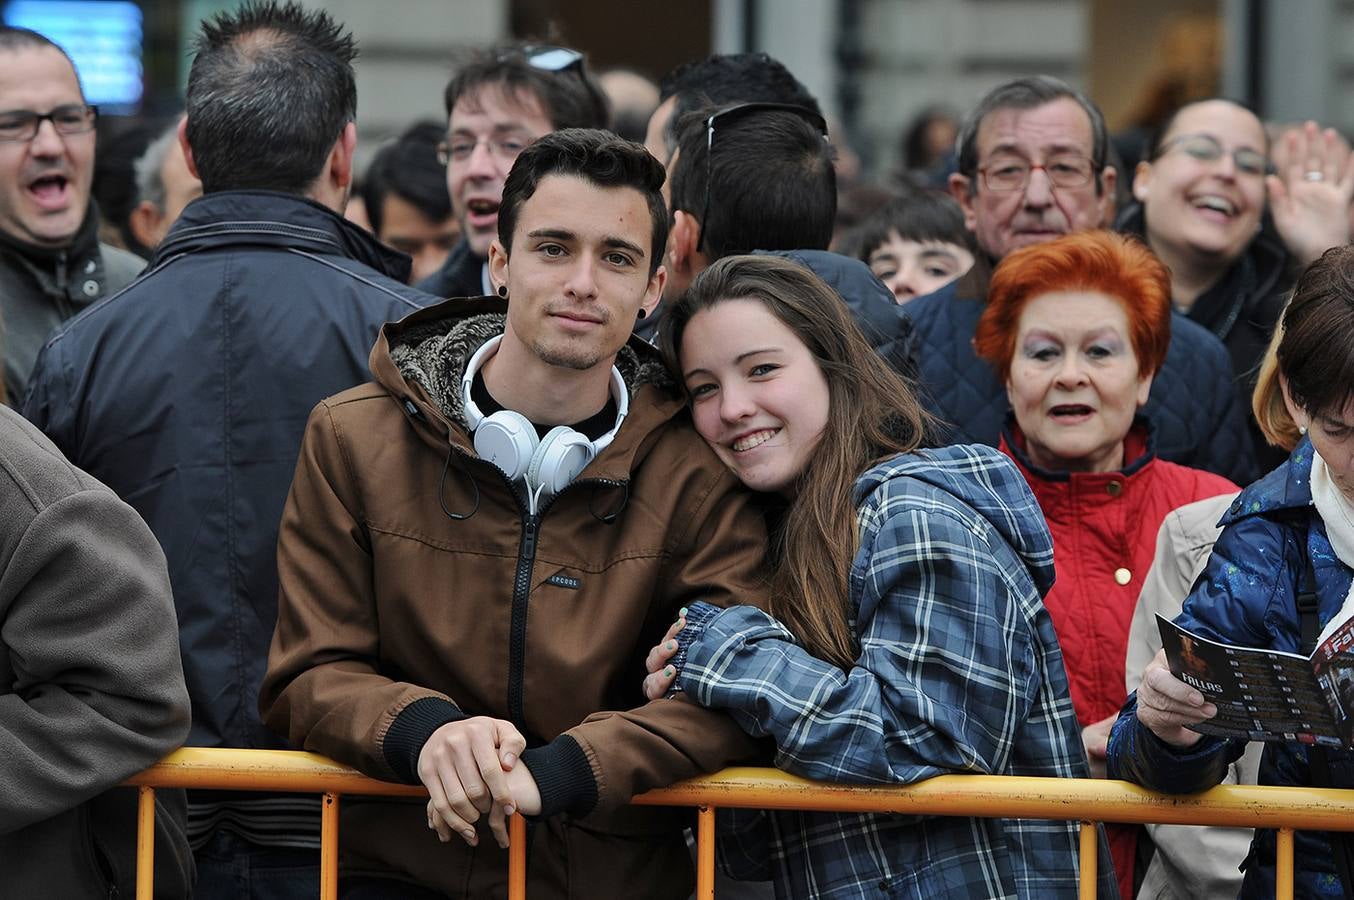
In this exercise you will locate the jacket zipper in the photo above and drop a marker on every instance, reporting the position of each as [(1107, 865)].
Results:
[(517, 635), (521, 599)]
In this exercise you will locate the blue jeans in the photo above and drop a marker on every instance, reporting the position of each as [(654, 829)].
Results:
[(231, 868)]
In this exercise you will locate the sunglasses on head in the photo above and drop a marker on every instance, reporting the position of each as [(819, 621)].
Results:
[(731, 114)]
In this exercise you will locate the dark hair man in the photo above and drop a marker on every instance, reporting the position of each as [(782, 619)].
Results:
[(51, 262), (187, 393), (164, 188), (405, 192), (720, 80), (759, 177), (1033, 166), (480, 548), (497, 104)]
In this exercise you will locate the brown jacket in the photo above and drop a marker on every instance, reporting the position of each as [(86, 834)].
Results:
[(413, 593)]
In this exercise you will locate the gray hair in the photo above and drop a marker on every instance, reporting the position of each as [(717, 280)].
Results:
[(1027, 93), (149, 168)]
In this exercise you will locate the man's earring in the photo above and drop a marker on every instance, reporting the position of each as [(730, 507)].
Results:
[(503, 291), (642, 314)]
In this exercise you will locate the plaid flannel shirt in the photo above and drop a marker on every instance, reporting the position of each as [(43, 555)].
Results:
[(958, 671)]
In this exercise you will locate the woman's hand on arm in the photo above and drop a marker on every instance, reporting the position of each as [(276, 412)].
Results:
[(661, 675), (1166, 705), (1311, 213)]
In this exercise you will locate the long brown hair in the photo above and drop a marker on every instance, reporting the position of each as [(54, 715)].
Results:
[(872, 414)]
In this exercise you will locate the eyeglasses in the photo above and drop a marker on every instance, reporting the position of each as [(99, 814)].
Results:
[(739, 111), (504, 149), (1206, 148), (1012, 173), (23, 124)]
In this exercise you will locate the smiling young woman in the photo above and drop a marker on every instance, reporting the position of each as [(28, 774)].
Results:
[(1077, 328)]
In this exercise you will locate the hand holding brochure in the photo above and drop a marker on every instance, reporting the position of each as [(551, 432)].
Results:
[(1270, 695)]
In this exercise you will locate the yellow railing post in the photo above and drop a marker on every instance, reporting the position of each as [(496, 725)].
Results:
[(517, 858), (705, 853), (329, 834), (145, 843), (1090, 865), (1283, 865)]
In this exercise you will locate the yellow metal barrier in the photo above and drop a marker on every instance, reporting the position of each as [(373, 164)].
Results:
[(1085, 800)]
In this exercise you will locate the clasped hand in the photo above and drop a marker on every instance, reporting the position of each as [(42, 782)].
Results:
[(471, 767)]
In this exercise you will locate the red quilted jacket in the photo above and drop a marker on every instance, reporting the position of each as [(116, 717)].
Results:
[(1104, 527)]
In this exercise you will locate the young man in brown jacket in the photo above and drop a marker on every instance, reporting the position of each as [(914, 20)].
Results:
[(479, 549)]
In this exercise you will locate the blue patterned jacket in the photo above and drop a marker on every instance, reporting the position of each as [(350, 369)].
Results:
[(958, 672), (1247, 596)]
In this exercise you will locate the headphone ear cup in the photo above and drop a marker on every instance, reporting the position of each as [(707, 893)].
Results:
[(507, 440), (562, 454)]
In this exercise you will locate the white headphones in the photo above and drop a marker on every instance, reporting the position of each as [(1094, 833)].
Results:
[(508, 440)]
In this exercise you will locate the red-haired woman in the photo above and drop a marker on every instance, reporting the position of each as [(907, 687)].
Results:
[(1077, 328)]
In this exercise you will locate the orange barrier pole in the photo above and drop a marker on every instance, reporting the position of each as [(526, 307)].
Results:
[(1090, 864), (329, 829), (705, 853), (145, 843), (517, 858), (1283, 865)]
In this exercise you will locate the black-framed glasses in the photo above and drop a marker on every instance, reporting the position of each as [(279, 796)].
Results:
[(1206, 148), (23, 124), (1012, 173), (740, 111)]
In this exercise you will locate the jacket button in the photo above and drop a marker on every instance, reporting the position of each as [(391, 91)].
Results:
[(90, 287), (89, 267), (1114, 488), (1122, 576)]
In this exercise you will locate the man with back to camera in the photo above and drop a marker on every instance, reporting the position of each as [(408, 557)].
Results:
[(1032, 167), (405, 192), (51, 262), (188, 393), (497, 104), (480, 548)]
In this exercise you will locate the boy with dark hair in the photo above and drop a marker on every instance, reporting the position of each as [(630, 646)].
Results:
[(479, 549), (916, 244)]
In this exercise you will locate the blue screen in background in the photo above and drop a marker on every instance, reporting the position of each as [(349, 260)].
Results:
[(102, 37)]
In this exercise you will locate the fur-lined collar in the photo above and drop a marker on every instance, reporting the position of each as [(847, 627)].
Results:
[(434, 355)]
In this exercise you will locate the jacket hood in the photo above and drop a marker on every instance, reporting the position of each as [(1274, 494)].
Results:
[(989, 483), (275, 219), (871, 303), (429, 350), (1288, 487)]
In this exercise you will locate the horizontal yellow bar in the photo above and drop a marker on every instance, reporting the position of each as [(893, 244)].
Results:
[(1072, 799), (1006, 796)]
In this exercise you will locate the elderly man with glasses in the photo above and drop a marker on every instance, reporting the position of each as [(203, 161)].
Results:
[(51, 262), (1033, 165)]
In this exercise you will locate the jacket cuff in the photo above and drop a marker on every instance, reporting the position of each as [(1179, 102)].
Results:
[(698, 615), (411, 729), (563, 777)]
